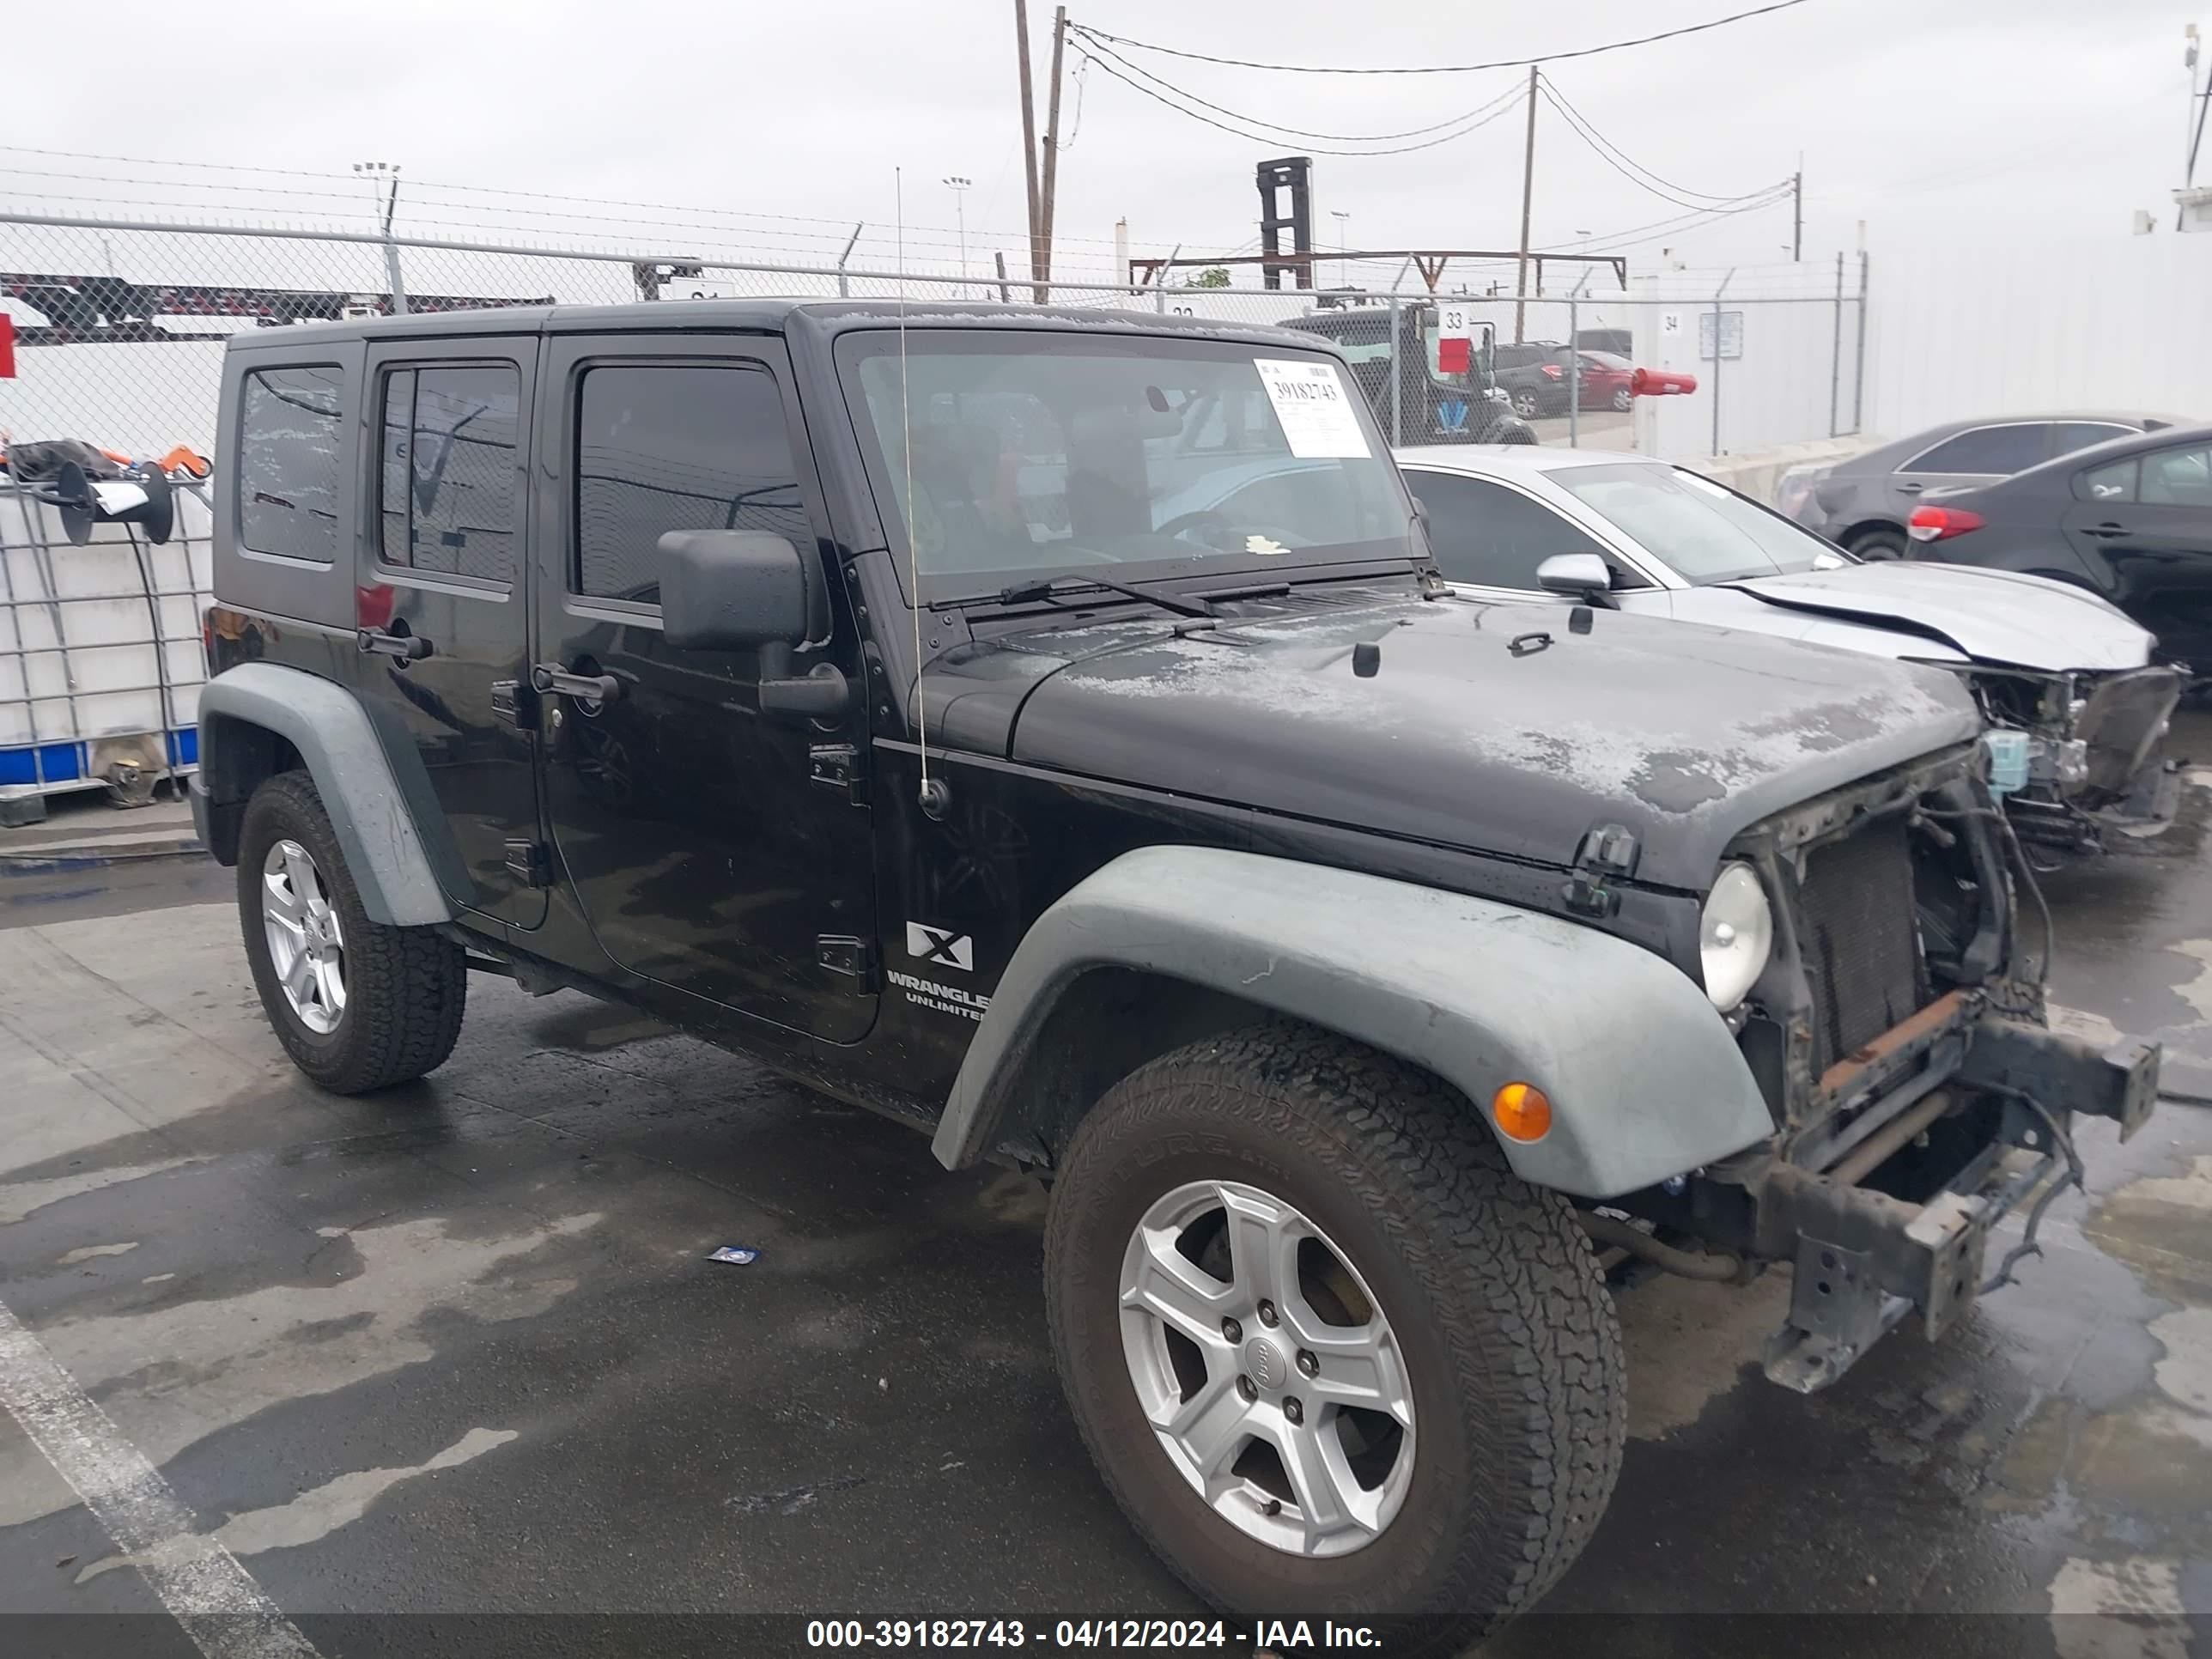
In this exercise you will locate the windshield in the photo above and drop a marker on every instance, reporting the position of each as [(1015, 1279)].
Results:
[(1703, 533), (1039, 454)]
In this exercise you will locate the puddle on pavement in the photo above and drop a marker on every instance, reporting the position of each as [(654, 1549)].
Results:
[(2101, 1484), (177, 1372)]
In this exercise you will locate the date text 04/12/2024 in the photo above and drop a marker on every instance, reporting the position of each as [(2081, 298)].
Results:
[(1272, 1635)]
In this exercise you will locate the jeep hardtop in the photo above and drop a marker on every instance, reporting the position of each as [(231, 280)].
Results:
[(1046, 727)]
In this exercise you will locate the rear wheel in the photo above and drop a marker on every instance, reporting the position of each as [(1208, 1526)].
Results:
[(1330, 1353), (1621, 400), (1880, 544), (358, 1004), (1525, 405)]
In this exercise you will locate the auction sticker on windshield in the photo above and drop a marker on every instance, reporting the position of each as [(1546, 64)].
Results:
[(1318, 419)]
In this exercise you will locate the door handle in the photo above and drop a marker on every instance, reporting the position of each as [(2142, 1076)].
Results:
[(589, 689), (1911, 488), (408, 647), (2104, 532)]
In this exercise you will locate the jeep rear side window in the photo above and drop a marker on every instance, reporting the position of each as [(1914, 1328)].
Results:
[(288, 461), (663, 446), (449, 490)]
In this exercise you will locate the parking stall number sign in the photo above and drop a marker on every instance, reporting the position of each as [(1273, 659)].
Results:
[(1455, 340), (1315, 409)]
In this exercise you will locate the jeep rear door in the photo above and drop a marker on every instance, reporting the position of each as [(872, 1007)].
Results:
[(442, 569), (712, 848)]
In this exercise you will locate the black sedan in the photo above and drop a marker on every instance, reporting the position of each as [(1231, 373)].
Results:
[(2131, 519), (1862, 503)]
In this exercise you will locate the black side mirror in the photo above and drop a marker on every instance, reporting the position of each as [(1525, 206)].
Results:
[(725, 590), (729, 590)]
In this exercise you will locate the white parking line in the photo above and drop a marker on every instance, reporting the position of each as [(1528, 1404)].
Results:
[(227, 1615)]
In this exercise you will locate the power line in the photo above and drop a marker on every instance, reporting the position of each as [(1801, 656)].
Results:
[(842, 226), (1090, 33), (1676, 226), (1504, 108), (1509, 95), (1634, 171)]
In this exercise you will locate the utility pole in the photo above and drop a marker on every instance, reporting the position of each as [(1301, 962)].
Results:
[(1028, 142), (1527, 202), (1047, 190), (1797, 212)]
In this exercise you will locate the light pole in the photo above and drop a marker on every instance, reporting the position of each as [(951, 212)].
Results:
[(960, 185), (1343, 244), (384, 182)]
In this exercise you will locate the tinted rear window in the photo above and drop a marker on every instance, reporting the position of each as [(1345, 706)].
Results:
[(2080, 435), (288, 461), (1990, 449)]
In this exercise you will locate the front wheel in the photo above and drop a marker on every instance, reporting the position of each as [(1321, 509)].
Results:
[(1621, 400), (1330, 1353), (358, 1004)]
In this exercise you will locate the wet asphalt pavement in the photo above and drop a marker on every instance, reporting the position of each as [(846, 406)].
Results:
[(458, 1350)]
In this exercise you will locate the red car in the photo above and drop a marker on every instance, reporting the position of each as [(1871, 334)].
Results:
[(1605, 380)]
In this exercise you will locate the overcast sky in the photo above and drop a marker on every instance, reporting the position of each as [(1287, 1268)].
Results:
[(1988, 121)]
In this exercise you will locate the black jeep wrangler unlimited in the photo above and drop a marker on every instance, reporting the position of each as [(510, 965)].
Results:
[(1045, 727)]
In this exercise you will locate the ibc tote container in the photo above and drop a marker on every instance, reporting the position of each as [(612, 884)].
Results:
[(100, 655)]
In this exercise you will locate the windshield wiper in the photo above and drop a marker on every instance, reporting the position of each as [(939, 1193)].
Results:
[(1024, 592)]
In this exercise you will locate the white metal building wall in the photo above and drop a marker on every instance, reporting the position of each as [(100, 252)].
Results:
[(2120, 322)]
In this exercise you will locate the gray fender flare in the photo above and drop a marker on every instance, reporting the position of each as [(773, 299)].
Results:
[(353, 772), (1644, 1078)]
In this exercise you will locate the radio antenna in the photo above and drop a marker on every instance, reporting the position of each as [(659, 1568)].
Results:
[(933, 798)]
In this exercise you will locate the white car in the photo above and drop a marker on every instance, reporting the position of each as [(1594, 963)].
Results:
[(2057, 664)]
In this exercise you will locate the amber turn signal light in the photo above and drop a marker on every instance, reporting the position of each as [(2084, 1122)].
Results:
[(1522, 1111)]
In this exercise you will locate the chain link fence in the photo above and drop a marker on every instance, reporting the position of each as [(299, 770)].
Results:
[(121, 325)]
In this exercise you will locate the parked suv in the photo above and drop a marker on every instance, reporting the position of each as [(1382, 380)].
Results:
[(1401, 370), (1538, 377), (920, 706)]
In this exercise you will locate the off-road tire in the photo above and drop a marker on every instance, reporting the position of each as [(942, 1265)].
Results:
[(1509, 1335), (1881, 545), (405, 987)]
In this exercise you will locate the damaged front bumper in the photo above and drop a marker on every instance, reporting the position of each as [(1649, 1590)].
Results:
[(1887, 1210), (2093, 759)]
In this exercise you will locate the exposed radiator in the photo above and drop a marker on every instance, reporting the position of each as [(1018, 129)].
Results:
[(1859, 932)]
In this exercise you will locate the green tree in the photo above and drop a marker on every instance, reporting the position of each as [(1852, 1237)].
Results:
[(1212, 277)]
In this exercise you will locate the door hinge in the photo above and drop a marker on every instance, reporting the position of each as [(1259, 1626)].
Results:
[(842, 953), (837, 765), (530, 862), (515, 702), (1608, 852)]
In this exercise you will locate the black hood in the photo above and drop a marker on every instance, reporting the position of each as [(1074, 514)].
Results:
[(1687, 735)]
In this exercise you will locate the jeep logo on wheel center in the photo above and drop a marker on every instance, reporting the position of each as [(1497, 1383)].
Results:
[(1290, 966)]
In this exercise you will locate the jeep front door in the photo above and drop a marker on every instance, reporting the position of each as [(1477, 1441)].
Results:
[(713, 847), (441, 598)]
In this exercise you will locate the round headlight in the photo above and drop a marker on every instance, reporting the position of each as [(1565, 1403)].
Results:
[(1734, 935)]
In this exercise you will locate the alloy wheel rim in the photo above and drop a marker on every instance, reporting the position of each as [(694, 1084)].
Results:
[(1267, 1369), (306, 942)]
